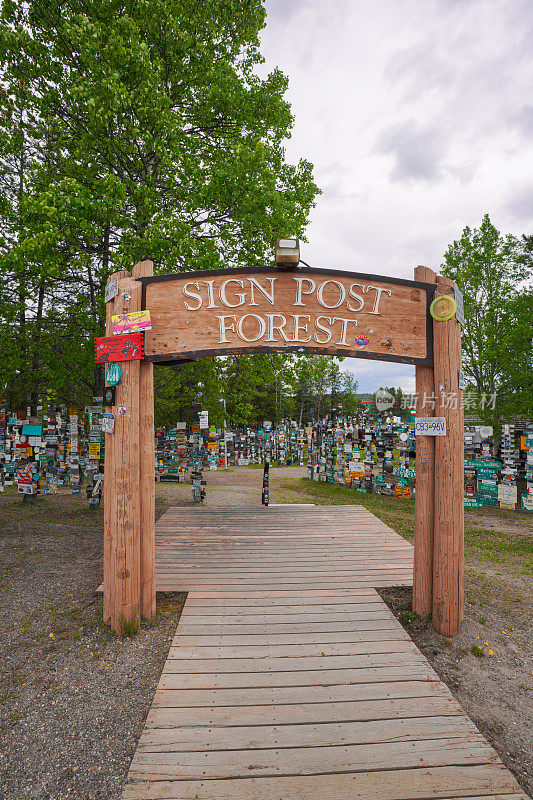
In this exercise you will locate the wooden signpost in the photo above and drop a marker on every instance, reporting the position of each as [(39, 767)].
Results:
[(264, 310), (308, 310)]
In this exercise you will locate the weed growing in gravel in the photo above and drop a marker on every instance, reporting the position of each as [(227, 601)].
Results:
[(129, 627)]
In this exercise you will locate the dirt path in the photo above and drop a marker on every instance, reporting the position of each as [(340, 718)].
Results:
[(238, 486)]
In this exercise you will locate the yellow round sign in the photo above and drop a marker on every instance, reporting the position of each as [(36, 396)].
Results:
[(443, 308)]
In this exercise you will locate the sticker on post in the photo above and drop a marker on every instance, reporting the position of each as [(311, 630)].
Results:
[(113, 375), (121, 410), (133, 322), (443, 308), (430, 426), (460, 311), (119, 348)]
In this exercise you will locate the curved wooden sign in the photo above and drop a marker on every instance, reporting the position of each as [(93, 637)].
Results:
[(332, 312)]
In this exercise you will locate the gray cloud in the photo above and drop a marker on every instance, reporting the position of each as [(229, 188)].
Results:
[(520, 203), (420, 68), (418, 151), (284, 10), (522, 119)]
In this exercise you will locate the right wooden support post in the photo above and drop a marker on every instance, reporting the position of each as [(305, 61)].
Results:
[(448, 527), (425, 483)]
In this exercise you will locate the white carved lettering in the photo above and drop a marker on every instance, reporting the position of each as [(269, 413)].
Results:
[(264, 291), (320, 294), (357, 297), (223, 328), (323, 329), (272, 327), (345, 323), (262, 328), (300, 290), (210, 295), (298, 326), (240, 295), (379, 291), (187, 293)]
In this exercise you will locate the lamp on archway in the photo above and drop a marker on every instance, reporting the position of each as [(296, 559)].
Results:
[(287, 253)]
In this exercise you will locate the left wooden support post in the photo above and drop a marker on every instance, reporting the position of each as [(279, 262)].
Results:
[(129, 580)]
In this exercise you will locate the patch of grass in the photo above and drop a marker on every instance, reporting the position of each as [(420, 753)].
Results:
[(408, 617), (129, 627), (399, 514), (477, 651), (494, 546), (484, 589)]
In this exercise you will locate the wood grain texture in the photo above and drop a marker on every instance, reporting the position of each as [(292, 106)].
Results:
[(308, 689), (291, 549), (229, 313), (425, 484), (121, 490), (146, 477), (448, 561), (420, 783)]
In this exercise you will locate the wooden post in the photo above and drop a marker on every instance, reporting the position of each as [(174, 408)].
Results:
[(109, 489), (448, 568), (122, 506), (147, 466), (425, 484)]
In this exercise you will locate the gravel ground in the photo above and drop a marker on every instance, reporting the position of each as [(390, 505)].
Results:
[(238, 486), (73, 696)]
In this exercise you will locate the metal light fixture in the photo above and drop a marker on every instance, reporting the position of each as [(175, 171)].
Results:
[(287, 253)]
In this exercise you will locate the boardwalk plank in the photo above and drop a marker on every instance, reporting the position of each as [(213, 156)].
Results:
[(288, 677), (183, 739), (405, 784)]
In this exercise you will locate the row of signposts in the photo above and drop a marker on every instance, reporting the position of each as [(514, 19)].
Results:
[(62, 448), (66, 448)]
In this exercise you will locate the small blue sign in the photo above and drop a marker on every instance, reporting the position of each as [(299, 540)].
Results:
[(113, 374)]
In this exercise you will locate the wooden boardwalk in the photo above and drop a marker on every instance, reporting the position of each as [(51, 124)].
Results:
[(289, 678)]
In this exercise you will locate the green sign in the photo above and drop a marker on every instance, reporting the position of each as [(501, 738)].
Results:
[(483, 464), (471, 503), (113, 374)]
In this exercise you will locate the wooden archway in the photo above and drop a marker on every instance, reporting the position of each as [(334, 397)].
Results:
[(262, 310)]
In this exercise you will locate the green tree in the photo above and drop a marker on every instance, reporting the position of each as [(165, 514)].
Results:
[(350, 400), (492, 271), (157, 138)]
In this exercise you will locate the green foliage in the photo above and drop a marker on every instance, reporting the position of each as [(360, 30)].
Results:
[(254, 388), (129, 627), (492, 271), (129, 131)]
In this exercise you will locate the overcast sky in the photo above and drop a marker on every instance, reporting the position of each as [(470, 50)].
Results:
[(417, 115)]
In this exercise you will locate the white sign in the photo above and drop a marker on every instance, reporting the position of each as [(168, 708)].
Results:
[(430, 426), (507, 494), (460, 313), (204, 419), (111, 290), (486, 431), (108, 423)]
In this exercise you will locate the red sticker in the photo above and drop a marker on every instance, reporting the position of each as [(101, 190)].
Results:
[(129, 347)]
